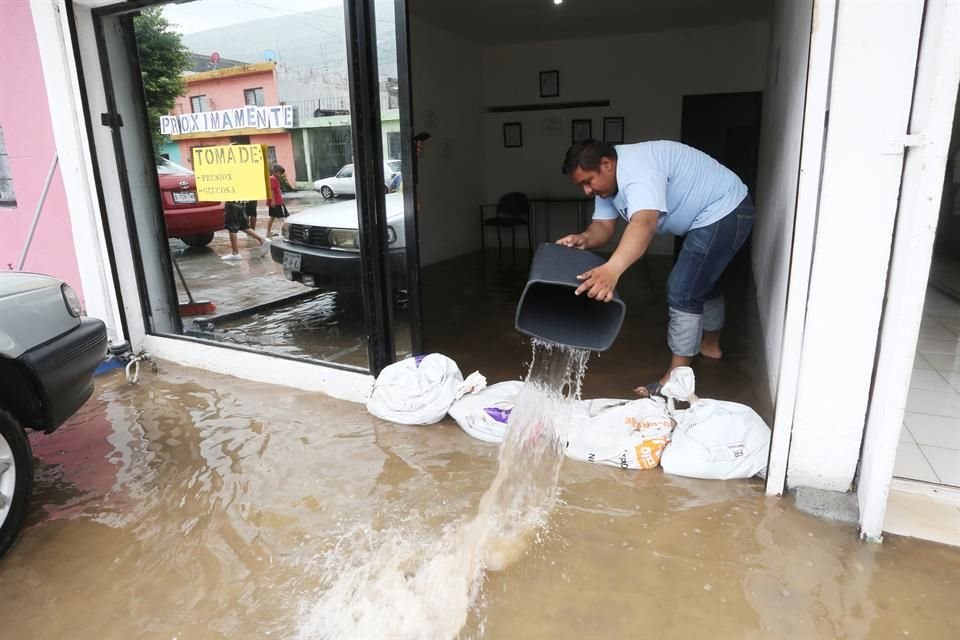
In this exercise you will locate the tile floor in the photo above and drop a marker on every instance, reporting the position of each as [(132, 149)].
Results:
[(930, 441)]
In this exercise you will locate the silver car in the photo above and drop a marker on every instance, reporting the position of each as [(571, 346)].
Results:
[(48, 355)]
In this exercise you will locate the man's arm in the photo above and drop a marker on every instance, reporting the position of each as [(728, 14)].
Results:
[(596, 235), (599, 283)]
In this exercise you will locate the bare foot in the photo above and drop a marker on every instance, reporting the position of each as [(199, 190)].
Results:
[(710, 345), (648, 390), (714, 353)]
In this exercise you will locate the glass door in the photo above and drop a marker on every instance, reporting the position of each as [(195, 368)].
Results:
[(264, 212)]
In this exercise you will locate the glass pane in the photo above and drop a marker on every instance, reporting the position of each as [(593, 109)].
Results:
[(399, 208), (275, 132)]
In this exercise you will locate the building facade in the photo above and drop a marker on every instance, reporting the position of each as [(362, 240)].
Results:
[(840, 263)]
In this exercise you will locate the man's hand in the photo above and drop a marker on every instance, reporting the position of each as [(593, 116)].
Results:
[(599, 283), (576, 240)]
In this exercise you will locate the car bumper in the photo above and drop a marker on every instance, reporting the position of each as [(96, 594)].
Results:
[(330, 269), (189, 222), (63, 370)]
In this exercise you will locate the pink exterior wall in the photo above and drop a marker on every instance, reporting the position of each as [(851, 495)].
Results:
[(227, 93), (27, 130)]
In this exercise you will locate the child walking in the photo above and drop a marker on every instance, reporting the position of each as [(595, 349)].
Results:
[(236, 220), (275, 206)]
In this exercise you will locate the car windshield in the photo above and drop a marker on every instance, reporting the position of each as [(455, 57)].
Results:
[(394, 165), (166, 167)]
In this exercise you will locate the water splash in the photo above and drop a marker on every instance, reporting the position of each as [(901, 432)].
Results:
[(405, 582)]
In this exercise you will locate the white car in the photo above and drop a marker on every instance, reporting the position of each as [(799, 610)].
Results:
[(320, 245), (344, 184)]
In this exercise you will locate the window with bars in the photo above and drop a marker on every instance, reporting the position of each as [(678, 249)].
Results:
[(254, 97), (7, 197), (198, 104)]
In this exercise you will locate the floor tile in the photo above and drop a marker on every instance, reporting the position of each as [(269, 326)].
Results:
[(952, 378), (945, 315), (912, 464), (906, 436), (942, 362), (945, 463), (919, 362), (930, 345), (930, 380), (937, 332), (934, 431), (923, 517), (935, 403)]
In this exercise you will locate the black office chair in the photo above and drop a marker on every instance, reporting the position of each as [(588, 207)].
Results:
[(513, 210)]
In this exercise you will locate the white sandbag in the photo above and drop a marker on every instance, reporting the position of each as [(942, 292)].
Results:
[(713, 439), (420, 390), (620, 433), (484, 414)]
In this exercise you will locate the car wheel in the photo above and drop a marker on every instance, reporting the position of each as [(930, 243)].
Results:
[(16, 478), (326, 192), (198, 240)]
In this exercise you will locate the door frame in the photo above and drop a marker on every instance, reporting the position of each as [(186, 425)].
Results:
[(927, 145), (84, 21), (815, 110)]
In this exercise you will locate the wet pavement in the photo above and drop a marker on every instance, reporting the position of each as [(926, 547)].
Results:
[(194, 505), (257, 308)]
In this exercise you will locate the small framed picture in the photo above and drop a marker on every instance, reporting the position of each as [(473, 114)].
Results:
[(512, 134), (549, 84), (582, 130), (613, 130)]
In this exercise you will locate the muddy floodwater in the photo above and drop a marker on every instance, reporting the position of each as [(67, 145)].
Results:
[(200, 506)]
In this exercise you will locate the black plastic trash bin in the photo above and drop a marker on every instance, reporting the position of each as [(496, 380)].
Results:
[(549, 310)]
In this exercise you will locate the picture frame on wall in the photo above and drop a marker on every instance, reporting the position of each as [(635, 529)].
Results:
[(512, 134), (582, 129), (549, 84), (613, 130)]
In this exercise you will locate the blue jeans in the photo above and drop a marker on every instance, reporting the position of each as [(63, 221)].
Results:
[(693, 288)]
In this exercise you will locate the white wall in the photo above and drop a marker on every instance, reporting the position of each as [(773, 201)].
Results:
[(870, 97), (935, 95), (779, 171), (645, 77), (447, 103)]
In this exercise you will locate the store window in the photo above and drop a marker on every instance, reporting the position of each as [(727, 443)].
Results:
[(7, 197), (215, 265), (254, 97)]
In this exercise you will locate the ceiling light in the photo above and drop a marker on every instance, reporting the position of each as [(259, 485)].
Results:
[(557, 1)]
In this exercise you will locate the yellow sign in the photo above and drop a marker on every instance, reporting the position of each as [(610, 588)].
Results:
[(231, 172)]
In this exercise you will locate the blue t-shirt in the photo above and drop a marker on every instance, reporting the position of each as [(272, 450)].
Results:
[(689, 188)]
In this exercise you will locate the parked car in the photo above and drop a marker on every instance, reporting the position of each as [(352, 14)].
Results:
[(319, 246), (187, 218), (48, 354), (343, 184)]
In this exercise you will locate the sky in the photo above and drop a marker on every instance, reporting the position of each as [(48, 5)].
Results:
[(192, 17)]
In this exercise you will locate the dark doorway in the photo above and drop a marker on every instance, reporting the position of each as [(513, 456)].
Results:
[(727, 127)]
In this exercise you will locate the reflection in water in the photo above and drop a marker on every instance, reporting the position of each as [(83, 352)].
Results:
[(321, 325), (195, 505)]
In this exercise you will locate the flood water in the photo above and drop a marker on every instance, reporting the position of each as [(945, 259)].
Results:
[(195, 505)]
